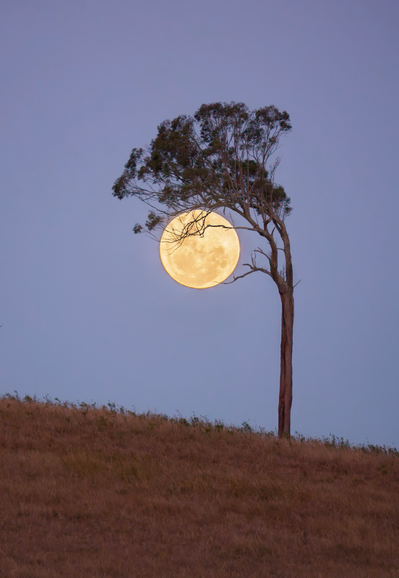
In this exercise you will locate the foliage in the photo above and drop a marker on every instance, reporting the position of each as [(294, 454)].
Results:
[(216, 159)]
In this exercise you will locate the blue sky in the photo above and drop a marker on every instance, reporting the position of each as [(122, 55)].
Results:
[(88, 312)]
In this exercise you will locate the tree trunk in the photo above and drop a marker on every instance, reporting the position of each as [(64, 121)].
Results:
[(285, 397)]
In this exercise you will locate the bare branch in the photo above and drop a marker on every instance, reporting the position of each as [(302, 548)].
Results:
[(253, 270)]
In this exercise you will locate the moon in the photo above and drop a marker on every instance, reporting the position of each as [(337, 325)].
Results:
[(202, 260)]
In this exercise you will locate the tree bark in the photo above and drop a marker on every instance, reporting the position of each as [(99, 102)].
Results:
[(285, 397)]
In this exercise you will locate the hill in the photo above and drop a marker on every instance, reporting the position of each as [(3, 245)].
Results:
[(101, 492)]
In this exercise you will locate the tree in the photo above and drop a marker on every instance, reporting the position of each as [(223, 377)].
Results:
[(218, 160)]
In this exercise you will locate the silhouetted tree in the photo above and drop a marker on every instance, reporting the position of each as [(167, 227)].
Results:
[(216, 160)]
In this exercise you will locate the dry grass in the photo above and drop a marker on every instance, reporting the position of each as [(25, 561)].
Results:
[(90, 492)]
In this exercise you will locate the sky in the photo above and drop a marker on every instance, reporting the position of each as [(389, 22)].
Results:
[(89, 314)]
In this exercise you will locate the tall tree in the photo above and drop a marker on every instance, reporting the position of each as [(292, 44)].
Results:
[(221, 159)]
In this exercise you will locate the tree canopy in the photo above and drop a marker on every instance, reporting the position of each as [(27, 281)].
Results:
[(215, 159)]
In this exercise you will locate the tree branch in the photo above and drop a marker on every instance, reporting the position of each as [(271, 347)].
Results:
[(253, 270)]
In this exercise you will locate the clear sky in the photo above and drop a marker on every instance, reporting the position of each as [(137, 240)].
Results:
[(88, 312)]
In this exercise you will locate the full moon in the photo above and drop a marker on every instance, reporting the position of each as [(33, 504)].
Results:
[(202, 260)]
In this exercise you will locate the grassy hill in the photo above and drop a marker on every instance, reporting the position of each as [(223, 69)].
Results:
[(101, 492)]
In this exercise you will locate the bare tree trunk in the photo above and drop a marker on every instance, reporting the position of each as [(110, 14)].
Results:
[(285, 397)]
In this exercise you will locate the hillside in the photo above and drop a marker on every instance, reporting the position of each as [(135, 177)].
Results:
[(106, 493)]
